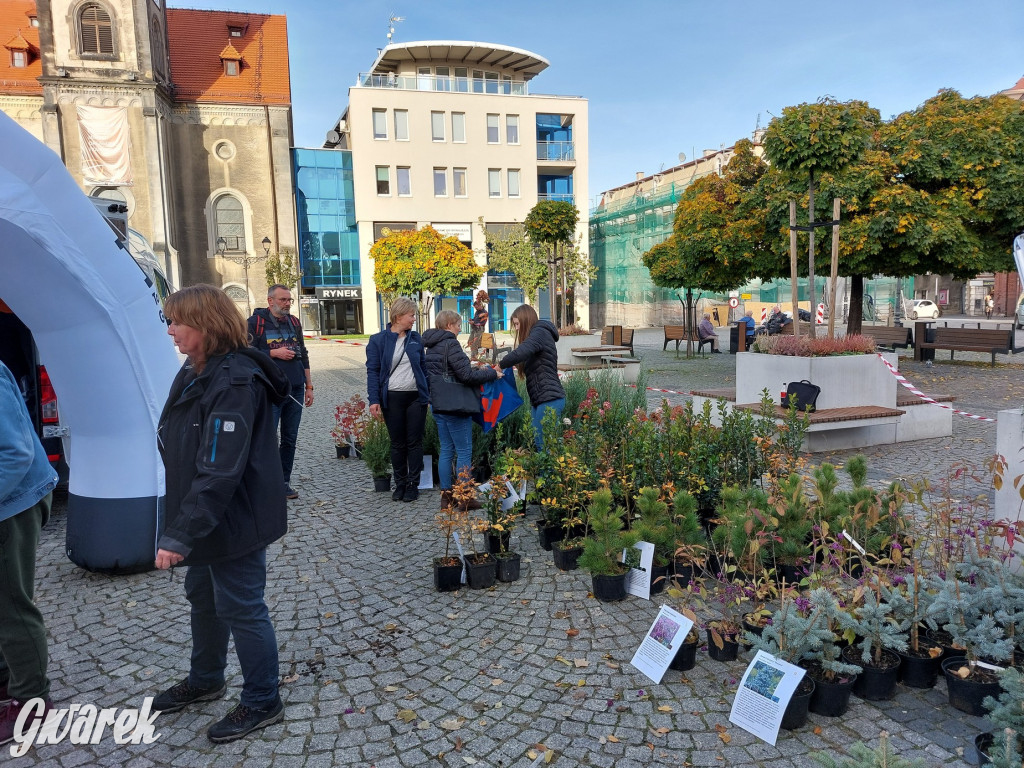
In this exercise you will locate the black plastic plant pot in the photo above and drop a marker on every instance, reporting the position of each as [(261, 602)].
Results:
[(967, 694), (548, 534), (983, 747), (876, 682), (919, 670), (509, 564), (831, 699), (729, 650), (343, 451), (659, 578), (565, 559), (481, 573), (495, 542), (609, 589), (799, 705), (382, 484), (447, 575), (685, 658)]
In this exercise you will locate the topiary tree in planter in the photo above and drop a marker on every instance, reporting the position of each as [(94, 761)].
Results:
[(602, 552)]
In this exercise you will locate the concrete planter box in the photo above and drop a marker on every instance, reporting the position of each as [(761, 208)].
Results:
[(565, 345), (845, 380), (1010, 445)]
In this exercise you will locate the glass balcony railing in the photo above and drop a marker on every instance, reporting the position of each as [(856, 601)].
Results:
[(556, 150), (558, 197), (443, 83)]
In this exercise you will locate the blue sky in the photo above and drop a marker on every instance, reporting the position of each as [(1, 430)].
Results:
[(669, 77)]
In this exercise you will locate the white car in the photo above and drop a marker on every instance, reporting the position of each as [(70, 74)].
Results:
[(924, 308)]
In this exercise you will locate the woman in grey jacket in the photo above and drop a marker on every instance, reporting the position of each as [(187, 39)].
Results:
[(537, 359)]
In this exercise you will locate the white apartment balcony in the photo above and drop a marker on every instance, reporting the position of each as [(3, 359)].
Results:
[(443, 83)]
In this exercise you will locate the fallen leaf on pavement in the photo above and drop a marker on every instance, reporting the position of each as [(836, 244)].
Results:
[(659, 731), (563, 660), (572, 632), (580, 663), (613, 740), (289, 678), (451, 724), (665, 708), (406, 715)]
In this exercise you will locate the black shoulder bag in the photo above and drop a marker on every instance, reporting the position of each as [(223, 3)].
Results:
[(806, 394), (450, 396)]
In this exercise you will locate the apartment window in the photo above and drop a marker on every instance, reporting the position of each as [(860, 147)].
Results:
[(443, 80), (383, 180), (231, 67), (380, 123), (492, 129), (459, 181), (513, 182), (478, 81), (424, 79), (512, 129), (459, 127), (493, 182), (437, 126), (96, 31), (403, 181), (461, 79), (491, 80), (402, 124), (19, 59), (440, 182)]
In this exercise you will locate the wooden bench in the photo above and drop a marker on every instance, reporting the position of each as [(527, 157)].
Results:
[(972, 340), (487, 342), (857, 415), (906, 398), (889, 337), (680, 333), (616, 335)]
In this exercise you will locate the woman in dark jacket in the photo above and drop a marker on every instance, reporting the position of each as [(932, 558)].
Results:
[(396, 386), (225, 504), (444, 354), (537, 358)]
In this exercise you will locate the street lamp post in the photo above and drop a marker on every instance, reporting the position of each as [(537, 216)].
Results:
[(245, 260)]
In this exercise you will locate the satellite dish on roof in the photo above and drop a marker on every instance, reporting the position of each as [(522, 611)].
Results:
[(333, 138), (682, 157)]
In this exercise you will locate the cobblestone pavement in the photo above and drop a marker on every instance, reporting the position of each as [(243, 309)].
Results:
[(381, 670)]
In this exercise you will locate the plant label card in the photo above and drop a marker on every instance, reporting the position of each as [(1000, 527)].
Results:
[(462, 555), (427, 474), (638, 580), (763, 695), (661, 642)]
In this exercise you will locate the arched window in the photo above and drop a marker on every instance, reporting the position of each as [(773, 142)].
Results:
[(229, 225), (96, 31)]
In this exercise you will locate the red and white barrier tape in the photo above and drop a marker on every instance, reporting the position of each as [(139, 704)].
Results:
[(907, 385), (338, 341)]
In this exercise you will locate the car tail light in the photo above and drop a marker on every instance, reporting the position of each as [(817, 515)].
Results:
[(47, 398)]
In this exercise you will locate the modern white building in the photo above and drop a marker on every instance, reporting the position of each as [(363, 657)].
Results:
[(450, 134)]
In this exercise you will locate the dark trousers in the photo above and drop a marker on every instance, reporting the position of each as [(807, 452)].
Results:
[(227, 600), (405, 417), (22, 632), (289, 414)]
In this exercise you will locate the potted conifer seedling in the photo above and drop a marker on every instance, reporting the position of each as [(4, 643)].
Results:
[(602, 552), (377, 453)]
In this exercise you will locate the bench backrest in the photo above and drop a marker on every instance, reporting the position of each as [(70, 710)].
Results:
[(986, 337), (886, 335), (673, 332), (627, 337)]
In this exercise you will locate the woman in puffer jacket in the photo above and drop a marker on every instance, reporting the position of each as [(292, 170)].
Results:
[(537, 358), (444, 353)]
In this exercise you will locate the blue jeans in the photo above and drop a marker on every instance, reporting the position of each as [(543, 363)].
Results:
[(456, 434), (227, 600), (289, 414), (537, 413)]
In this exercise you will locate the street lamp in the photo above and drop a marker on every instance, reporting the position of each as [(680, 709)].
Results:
[(245, 260)]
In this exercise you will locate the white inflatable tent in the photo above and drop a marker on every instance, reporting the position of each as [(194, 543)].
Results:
[(101, 335)]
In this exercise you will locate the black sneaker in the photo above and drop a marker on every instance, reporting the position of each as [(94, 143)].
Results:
[(181, 695), (411, 493), (243, 720), (289, 492), (399, 493)]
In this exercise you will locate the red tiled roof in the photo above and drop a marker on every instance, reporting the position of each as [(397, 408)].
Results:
[(197, 41), (14, 23)]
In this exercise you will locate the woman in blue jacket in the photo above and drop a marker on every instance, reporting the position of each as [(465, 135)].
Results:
[(396, 386)]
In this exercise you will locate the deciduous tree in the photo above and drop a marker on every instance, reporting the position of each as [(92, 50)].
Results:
[(552, 223)]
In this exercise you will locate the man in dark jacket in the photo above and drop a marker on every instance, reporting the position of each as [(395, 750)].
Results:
[(279, 334)]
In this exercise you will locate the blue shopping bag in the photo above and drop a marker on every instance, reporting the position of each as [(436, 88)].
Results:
[(498, 399)]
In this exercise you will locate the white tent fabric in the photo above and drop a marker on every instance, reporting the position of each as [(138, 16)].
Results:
[(105, 137), (1018, 256), (102, 337)]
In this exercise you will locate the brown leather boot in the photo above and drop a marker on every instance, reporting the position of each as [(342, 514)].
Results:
[(469, 506), (446, 500)]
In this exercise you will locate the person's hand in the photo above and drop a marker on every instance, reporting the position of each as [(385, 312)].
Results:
[(497, 367), (309, 396), (283, 353), (375, 410), (165, 559)]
